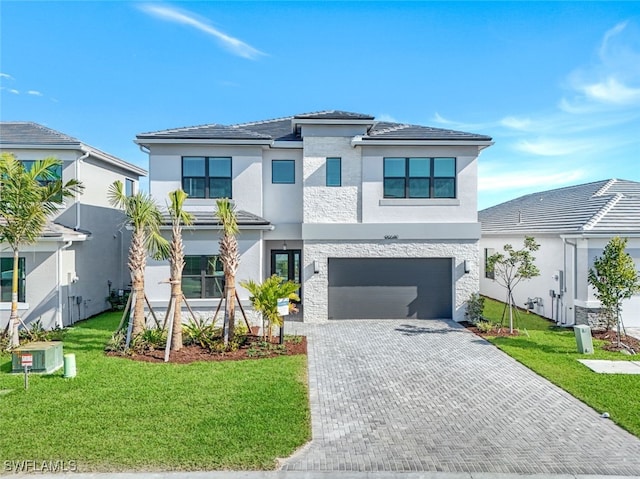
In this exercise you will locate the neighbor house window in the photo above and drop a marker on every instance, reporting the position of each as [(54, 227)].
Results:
[(203, 277), (57, 175), (419, 177), (128, 187), (487, 253), (206, 176), (334, 172), (6, 270), (283, 171)]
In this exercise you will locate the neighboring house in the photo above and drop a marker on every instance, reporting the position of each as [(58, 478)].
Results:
[(374, 219), (572, 226), (82, 254)]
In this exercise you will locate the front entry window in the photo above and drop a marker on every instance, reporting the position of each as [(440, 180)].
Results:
[(287, 265)]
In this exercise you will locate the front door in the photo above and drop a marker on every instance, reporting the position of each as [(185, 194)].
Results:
[(286, 264)]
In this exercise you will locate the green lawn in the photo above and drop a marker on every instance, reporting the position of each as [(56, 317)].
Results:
[(118, 414), (551, 352)]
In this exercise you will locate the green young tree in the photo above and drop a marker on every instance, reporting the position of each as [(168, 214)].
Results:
[(27, 198), (512, 267), (178, 217), (145, 219), (230, 258), (264, 298), (614, 278)]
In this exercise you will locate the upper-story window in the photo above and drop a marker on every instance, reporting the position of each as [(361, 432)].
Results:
[(6, 278), (128, 187), (57, 175), (419, 177), (206, 176), (334, 172), (283, 171)]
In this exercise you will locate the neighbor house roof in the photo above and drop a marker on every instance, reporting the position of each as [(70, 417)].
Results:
[(25, 134), (608, 206), (284, 129), (57, 232)]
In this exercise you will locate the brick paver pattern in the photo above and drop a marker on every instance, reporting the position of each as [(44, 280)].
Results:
[(431, 396)]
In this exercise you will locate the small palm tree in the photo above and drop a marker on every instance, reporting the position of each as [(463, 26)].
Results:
[(145, 218), (179, 217), (265, 296), (230, 261), (27, 198)]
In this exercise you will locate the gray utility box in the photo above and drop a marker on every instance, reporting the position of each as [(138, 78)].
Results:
[(583, 338), (47, 357)]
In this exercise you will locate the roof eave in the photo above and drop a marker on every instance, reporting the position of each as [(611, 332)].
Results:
[(202, 141), (359, 141), (41, 146), (112, 160)]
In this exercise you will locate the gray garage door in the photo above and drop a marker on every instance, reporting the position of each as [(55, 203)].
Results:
[(390, 288)]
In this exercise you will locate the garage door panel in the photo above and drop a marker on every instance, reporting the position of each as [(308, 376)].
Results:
[(390, 288)]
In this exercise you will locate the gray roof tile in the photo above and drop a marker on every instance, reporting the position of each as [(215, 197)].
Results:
[(609, 206), (281, 129), (209, 218), (333, 115), (29, 133), (56, 230)]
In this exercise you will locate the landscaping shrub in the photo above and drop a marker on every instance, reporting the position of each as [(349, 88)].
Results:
[(475, 308)]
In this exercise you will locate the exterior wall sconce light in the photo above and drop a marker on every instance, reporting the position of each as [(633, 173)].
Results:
[(316, 268), (284, 245), (467, 266)]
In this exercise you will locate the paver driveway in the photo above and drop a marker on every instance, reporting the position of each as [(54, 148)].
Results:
[(431, 396)]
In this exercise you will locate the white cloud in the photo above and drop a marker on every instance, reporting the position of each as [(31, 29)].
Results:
[(516, 123), (234, 45), (535, 179), (611, 90), (7, 76), (13, 90), (34, 93), (387, 117), (554, 147), (604, 45)]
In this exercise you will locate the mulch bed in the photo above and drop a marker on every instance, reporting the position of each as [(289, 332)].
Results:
[(612, 338), (192, 353), (502, 332)]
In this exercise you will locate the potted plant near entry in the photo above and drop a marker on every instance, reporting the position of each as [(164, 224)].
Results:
[(267, 296)]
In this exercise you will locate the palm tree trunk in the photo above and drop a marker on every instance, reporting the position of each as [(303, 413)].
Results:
[(137, 264), (176, 300), (13, 317), (230, 306)]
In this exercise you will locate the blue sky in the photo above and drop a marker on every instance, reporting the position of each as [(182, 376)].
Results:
[(557, 85)]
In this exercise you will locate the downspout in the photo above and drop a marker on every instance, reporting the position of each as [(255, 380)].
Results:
[(58, 274), (77, 164)]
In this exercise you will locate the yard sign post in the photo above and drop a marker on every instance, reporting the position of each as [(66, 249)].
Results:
[(26, 360)]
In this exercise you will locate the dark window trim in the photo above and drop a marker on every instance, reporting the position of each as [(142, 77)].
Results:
[(22, 279), (326, 171), (407, 177), (487, 253), (127, 182), (274, 181), (206, 177), (203, 276)]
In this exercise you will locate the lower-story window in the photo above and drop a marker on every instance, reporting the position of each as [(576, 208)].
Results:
[(203, 277), (6, 270), (487, 253)]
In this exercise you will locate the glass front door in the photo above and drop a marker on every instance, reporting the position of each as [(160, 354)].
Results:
[(287, 265)]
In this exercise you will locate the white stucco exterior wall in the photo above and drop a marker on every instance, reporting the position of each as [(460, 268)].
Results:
[(330, 204)]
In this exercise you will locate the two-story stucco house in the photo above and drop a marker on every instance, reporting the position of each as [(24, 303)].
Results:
[(82, 253), (374, 219)]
